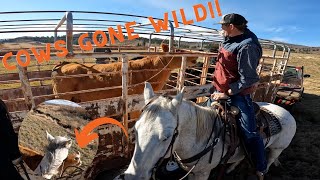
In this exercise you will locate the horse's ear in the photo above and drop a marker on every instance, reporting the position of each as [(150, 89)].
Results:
[(176, 101), (148, 92), (49, 137)]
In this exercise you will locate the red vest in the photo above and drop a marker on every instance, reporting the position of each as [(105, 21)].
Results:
[(226, 72)]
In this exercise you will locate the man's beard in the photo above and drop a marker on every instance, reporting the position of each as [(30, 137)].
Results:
[(223, 33)]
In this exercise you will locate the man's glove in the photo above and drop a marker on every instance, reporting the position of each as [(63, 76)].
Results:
[(218, 96)]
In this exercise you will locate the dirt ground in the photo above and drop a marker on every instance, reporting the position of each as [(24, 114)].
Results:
[(301, 160)]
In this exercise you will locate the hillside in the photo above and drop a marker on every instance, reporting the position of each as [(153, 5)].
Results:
[(144, 42)]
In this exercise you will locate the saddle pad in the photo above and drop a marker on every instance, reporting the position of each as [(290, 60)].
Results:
[(269, 122)]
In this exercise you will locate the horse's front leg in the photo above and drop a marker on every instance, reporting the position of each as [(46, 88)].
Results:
[(199, 176)]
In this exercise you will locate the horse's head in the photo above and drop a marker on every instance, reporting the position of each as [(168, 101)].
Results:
[(154, 130), (57, 151)]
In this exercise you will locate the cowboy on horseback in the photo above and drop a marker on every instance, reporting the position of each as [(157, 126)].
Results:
[(235, 76)]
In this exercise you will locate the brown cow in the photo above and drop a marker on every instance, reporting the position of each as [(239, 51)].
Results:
[(114, 79), (33, 158)]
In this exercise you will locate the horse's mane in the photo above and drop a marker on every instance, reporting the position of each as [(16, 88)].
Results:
[(205, 116)]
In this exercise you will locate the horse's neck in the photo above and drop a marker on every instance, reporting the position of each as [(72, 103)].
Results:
[(41, 167), (196, 126)]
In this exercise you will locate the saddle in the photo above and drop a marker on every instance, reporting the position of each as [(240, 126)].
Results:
[(267, 124)]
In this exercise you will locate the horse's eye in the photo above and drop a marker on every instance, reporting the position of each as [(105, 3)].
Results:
[(165, 135), (76, 158), (164, 138)]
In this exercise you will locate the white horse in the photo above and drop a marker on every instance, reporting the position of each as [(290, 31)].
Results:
[(57, 152), (163, 118)]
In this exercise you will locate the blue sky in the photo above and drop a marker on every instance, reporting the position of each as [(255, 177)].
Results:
[(291, 21)]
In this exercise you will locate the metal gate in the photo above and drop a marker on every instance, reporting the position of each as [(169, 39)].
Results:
[(29, 86)]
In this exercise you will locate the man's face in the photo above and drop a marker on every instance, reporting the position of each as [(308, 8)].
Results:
[(226, 29)]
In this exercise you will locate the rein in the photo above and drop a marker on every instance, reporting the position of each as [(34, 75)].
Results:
[(196, 157), (211, 147), (170, 148), (175, 157), (24, 170), (61, 171), (154, 169)]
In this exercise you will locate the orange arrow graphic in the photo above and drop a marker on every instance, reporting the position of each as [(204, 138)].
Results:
[(84, 137)]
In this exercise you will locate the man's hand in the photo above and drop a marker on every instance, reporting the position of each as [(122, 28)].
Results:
[(217, 96)]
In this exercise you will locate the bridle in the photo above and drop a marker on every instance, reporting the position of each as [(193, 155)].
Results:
[(181, 162), (170, 148), (174, 156)]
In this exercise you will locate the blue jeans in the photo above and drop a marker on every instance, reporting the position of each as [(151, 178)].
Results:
[(251, 137), (247, 124)]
